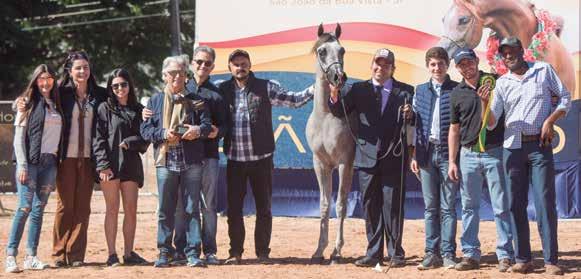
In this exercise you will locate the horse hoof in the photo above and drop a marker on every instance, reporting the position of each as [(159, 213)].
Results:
[(335, 260), (317, 260)]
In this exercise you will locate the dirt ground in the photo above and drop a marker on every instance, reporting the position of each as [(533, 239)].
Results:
[(293, 242)]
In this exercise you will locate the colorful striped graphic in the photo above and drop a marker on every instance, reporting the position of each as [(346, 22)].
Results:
[(290, 50)]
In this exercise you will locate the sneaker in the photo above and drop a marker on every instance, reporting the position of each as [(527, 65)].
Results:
[(113, 260), (553, 269), (449, 262), (33, 263), (10, 266), (195, 262), (133, 259), (162, 261), (179, 259), (504, 265), (211, 259), (522, 268), (233, 260), (467, 264), (430, 261)]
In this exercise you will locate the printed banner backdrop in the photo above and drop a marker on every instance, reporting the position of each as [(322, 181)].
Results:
[(279, 35), (7, 168)]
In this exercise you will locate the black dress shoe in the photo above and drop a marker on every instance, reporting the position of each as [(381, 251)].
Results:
[(366, 262)]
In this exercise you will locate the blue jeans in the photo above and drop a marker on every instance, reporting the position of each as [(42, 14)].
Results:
[(440, 205), (535, 164), (32, 198), (208, 204), (474, 167), (185, 186)]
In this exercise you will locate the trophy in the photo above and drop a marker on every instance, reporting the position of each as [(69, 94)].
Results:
[(488, 80), (187, 106)]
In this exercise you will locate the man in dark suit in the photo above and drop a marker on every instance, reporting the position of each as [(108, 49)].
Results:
[(381, 104)]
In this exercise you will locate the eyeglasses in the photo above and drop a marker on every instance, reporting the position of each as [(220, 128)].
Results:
[(206, 63), (174, 73), (120, 85)]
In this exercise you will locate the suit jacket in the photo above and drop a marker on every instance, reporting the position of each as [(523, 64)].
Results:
[(377, 131)]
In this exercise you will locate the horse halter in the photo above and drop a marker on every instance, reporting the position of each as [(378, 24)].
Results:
[(326, 69), (457, 44)]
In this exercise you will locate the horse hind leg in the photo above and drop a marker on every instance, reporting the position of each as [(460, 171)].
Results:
[(325, 187), (345, 179)]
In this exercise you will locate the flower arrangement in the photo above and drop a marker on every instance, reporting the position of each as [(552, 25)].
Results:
[(535, 51)]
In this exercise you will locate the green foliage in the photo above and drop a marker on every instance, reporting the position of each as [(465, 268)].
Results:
[(133, 34)]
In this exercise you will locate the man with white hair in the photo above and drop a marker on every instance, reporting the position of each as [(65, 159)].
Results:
[(177, 123)]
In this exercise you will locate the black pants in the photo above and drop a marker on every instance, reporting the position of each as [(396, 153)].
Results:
[(259, 173), (381, 204)]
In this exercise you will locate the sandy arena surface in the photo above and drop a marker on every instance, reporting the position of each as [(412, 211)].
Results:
[(293, 242)]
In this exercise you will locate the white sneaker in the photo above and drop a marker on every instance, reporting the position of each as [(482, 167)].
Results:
[(33, 263), (10, 266)]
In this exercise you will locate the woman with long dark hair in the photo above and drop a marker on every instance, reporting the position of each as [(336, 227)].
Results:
[(80, 97), (36, 144), (116, 146)]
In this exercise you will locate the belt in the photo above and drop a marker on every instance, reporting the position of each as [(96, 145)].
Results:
[(487, 147), (530, 138)]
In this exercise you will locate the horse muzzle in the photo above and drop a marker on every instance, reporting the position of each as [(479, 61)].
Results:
[(337, 77)]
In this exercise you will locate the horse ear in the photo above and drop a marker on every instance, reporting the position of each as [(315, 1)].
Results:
[(338, 31), (321, 30)]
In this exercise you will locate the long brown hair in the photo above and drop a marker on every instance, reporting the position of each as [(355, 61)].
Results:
[(32, 95)]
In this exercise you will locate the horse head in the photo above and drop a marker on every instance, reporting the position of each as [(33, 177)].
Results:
[(461, 29), (329, 53)]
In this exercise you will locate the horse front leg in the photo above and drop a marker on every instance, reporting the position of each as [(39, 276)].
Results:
[(345, 179), (323, 173)]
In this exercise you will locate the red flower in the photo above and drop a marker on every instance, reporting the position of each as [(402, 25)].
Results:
[(529, 56)]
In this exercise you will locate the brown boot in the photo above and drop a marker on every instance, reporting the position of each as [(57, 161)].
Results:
[(522, 267), (553, 269)]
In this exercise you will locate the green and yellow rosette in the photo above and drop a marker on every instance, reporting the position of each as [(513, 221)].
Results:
[(485, 79)]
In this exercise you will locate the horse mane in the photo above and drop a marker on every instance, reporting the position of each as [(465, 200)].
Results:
[(324, 38)]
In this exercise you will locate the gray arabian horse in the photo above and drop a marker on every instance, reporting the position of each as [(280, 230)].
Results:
[(330, 139)]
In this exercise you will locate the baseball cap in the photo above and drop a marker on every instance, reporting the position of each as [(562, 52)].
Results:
[(384, 53), (238, 52), (510, 41), (464, 53)]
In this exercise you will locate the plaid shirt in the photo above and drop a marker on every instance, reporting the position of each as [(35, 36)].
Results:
[(174, 160), (527, 102), (241, 144)]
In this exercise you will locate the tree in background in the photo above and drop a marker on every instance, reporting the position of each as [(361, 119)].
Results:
[(133, 34)]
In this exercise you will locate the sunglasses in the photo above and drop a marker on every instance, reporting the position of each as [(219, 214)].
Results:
[(206, 63), (117, 86), (174, 73), (47, 79)]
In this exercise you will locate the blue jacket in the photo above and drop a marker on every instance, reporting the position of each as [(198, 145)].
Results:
[(152, 129), (423, 106)]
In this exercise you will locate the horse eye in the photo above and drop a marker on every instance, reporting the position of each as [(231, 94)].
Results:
[(342, 51), (322, 52), (463, 20)]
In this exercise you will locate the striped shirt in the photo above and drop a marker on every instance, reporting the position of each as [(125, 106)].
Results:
[(241, 144), (527, 102)]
